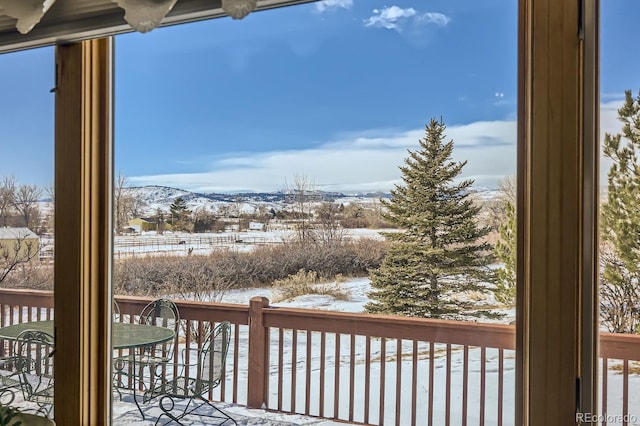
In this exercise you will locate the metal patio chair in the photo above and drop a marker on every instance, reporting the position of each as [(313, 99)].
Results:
[(34, 352), (9, 380), (194, 384), (160, 313), (129, 371)]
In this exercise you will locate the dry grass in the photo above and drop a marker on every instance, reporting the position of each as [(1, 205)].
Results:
[(307, 282), (634, 367)]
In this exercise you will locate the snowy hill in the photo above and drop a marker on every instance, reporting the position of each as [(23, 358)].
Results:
[(161, 197)]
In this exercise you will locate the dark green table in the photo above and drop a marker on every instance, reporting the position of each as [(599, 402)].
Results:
[(125, 335)]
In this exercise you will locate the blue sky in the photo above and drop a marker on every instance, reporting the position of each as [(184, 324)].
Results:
[(336, 91)]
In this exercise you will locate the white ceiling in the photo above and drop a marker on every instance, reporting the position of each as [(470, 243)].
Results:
[(73, 20)]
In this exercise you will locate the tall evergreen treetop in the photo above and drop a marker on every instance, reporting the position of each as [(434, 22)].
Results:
[(505, 249), (180, 220), (620, 214), (179, 207), (432, 267), (620, 225)]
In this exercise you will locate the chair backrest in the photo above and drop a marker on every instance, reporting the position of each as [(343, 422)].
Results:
[(212, 358), (34, 361), (162, 313), (115, 312)]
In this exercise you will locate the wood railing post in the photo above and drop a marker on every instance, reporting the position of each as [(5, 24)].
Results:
[(258, 347)]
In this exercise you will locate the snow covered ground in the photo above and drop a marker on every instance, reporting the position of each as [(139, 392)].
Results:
[(125, 413), (183, 243)]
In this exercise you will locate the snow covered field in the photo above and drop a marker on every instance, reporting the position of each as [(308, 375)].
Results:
[(183, 243)]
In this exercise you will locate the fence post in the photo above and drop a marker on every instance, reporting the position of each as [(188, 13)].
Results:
[(258, 347)]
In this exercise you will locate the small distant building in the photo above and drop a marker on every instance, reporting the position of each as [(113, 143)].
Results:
[(231, 227), (277, 225), (143, 224), (256, 226), (19, 242)]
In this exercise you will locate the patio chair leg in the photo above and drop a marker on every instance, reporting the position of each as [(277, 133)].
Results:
[(138, 404), (221, 412), (171, 417), (6, 396), (44, 409), (223, 416), (166, 410), (116, 386)]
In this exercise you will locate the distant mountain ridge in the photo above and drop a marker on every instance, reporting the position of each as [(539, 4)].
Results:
[(168, 194), (161, 197)]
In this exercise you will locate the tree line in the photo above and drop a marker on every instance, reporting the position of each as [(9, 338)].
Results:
[(19, 204), (307, 212)]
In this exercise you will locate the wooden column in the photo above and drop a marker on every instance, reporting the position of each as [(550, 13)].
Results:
[(83, 172), (556, 219)]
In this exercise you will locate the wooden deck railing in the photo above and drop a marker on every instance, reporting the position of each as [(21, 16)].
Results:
[(360, 368)]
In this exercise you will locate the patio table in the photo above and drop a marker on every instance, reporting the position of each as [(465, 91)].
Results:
[(124, 336)]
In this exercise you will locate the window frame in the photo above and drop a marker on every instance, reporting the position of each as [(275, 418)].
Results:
[(556, 328)]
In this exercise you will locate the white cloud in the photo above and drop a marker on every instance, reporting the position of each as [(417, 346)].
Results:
[(612, 95), (435, 18), (324, 5), (365, 163), (609, 122), (395, 18), (389, 17)]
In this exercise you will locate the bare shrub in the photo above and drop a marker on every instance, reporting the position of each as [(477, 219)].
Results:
[(208, 277), (354, 222), (192, 277), (307, 282), (197, 278), (32, 275), (20, 250), (141, 276)]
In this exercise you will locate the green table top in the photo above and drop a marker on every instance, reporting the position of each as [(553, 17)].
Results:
[(125, 335)]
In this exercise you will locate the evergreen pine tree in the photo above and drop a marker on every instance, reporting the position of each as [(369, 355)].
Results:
[(505, 290), (160, 224), (179, 214), (620, 225), (440, 257)]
